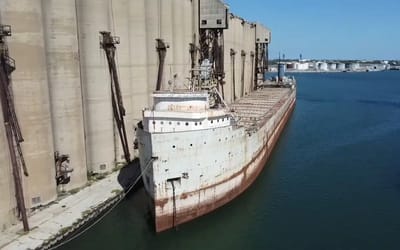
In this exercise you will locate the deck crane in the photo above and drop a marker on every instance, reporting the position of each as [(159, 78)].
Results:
[(12, 129), (107, 43)]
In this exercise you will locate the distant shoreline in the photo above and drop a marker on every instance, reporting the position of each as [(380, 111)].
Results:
[(330, 71)]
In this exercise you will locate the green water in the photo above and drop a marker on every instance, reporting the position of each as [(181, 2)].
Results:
[(333, 181)]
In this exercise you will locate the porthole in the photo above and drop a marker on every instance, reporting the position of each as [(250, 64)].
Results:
[(187, 124), (195, 123), (154, 122), (200, 123), (173, 146), (178, 123), (162, 123), (212, 121), (170, 123), (191, 144)]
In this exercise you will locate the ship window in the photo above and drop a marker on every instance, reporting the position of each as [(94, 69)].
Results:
[(200, 123), (178, 123), (191, 144), (212, 121), (154, 122), (162, 123), (195, 123), (217, 120), (170, 123), (173, 146), (187, 124)]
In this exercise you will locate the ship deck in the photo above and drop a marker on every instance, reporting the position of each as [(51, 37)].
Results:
[(253, 110)]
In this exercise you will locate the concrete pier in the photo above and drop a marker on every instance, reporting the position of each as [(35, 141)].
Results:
[(51, 224)]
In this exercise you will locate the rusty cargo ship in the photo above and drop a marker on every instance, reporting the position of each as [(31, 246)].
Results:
[(196, 158), (197, 152)]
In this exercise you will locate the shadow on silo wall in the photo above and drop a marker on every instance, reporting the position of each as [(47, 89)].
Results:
[(130, 175)]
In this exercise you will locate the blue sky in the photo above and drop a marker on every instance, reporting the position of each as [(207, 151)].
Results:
[(321, 29)]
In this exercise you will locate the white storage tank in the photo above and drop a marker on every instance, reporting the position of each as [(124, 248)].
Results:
[(332, 66), (323, 66), (303, 66), (341, 67), (354, 66)]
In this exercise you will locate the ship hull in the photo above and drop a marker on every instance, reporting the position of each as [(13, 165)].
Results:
[(246, 176), (185, 182)]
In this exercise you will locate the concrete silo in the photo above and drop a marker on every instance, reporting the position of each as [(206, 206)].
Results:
[(138, 57), (153, 31), (63, 72), (240, 55), (7, 198), (31, 96), (249, 48), (233, 50), (120, 27), (94, 16), (178, 46)]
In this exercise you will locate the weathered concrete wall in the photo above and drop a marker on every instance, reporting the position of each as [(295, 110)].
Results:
[(31, 95), (63, 72), (239, 37), (120, 27), (138, 35), (62, 83), (7, 197), (94, 16)]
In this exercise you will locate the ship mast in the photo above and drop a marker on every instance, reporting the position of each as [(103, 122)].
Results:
[(13, 131), (107, 43)]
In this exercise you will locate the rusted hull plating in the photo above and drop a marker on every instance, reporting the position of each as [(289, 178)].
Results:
[(173, 209)]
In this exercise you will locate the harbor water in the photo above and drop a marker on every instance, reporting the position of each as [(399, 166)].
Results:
[(333, 181)]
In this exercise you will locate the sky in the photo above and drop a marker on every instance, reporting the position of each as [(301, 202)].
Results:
[(327, 29)]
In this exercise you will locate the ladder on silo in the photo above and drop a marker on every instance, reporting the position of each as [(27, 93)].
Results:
[(13, 131), (107, 43)]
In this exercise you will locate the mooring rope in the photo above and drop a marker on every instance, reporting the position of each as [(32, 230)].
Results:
[(107, 212)]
